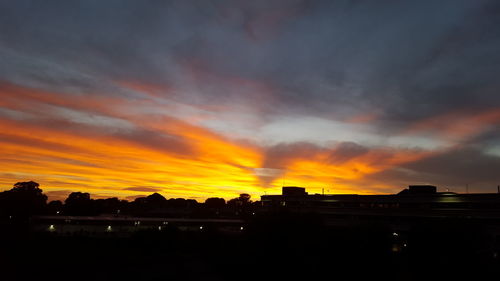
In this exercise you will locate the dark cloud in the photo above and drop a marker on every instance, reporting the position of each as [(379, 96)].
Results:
[(452, 169), (156, 141), (133, 197), (345, 151), (404, 60), (489, 138), (278, 156), (144, 188)]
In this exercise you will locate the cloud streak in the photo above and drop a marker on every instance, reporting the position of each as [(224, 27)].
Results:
[(216, 98)]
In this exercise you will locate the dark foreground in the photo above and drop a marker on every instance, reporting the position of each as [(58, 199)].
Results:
[(279, 248)]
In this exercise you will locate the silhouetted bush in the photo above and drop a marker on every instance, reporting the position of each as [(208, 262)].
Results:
[(23, 200), (79, 204)]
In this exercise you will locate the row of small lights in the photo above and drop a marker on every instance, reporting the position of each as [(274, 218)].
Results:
[(136, 223), (118, 211), (108, 228)]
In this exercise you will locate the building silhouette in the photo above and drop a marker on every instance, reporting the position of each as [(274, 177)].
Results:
[(416, 199), (416, 204)]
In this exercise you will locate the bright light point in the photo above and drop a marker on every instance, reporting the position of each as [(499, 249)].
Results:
[(159, 227), (52, 228), (395, 234), (108, 228), (201, 227), (241, 228)]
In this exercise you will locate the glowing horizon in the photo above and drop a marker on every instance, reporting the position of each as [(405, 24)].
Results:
[(180, 159)]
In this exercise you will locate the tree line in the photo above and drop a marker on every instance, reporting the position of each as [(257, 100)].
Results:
[(27, 198)]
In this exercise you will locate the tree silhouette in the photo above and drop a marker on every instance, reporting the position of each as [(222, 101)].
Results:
[(243, 200), (149, 204), (156, 200), (54, 207), (110, 205), (79, 203), (25, 198), (215, 203), (177, 203), (241, 205)]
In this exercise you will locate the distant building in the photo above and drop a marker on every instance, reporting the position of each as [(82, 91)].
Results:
[(415, 201), (419, 189), (398, 213), (293, 190)]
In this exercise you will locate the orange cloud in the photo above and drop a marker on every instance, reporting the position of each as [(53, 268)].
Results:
[(160, 152), (457, 125), (110, 164), (347, 176), (55, 152)]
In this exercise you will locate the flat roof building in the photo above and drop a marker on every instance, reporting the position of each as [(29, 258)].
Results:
[(416, 200), (293, 191)]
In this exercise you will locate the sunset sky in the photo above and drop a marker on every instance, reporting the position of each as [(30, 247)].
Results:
[(201, 99)]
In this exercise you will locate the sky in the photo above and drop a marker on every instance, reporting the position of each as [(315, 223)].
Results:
[(200, 99)]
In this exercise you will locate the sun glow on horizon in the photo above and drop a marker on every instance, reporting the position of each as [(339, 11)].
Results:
[(100, 147)]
